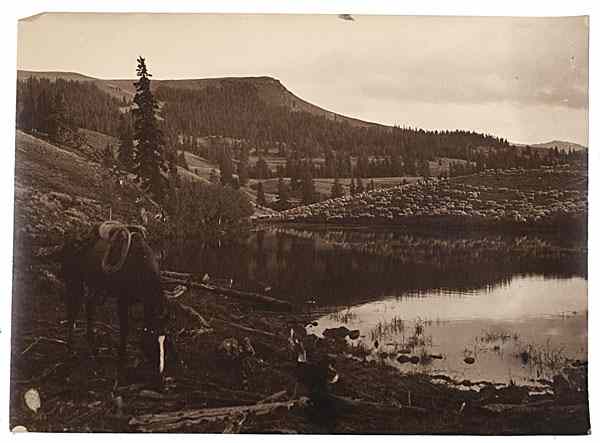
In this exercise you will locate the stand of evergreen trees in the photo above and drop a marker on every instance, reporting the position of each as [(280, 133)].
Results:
[(50, 107), (235, 110)]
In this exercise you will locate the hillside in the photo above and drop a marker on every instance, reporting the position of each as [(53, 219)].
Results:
[(270, 90), (516, 199), (60, 189)]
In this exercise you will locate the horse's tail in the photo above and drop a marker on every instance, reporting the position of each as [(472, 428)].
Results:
[(117, 251)]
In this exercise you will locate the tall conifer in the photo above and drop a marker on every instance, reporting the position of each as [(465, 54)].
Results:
[(149, 160)]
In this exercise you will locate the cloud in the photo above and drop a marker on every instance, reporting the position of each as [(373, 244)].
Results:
[(527, 62)]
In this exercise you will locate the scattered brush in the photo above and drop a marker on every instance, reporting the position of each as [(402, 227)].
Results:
[(495, 335), (384, 329), (544, 358)]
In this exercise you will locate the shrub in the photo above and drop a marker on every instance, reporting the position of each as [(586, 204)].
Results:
[(206, 214)]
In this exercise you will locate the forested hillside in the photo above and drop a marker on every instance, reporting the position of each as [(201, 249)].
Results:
[(253, 128), (235, 109)]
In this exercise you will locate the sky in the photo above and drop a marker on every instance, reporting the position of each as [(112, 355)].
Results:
[(524, 79)]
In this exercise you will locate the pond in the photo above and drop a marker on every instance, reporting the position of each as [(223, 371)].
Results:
[(523, 330), (475, 306)]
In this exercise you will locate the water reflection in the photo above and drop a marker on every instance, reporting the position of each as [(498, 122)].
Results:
[(346, 267)]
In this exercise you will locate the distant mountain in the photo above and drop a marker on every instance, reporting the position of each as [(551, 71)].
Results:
[(270, 90), (261, 114), (561, 145)]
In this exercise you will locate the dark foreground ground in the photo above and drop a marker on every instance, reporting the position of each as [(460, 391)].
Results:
[(79, 393)]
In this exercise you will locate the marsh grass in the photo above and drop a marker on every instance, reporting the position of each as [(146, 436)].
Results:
[(359, 350), (345, 316), (384, 329), (543, 359), (497, 335)]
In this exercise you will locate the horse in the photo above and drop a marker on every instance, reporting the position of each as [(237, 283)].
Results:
[(115, 260)]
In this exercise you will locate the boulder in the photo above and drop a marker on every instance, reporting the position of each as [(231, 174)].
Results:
[(469, 360), (402, 358), (336, 333), (229, 349), (354, 334)]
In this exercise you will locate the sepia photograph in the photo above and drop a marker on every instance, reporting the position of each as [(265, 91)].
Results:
[(300, 224)]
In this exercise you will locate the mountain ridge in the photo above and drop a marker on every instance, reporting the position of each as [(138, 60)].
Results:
[(562, 145), (270, 89)]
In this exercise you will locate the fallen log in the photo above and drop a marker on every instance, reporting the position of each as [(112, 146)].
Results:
[(174, 274), (501, 408), (213, 399), (265, 300), (272, 398), (191, 312), (177, 292), (199, 391), (153, 395), (248, 329), (357, 403), (46, 339), (172, 421)]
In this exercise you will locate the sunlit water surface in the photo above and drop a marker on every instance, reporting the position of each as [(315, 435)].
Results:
[(523, 331)]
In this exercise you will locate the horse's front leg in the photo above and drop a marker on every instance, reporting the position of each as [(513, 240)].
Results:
[(124, 328)]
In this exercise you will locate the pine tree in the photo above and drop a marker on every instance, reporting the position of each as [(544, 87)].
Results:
[(243, 167), (108, 158), (149, 159), (126, 149), (352, 186), (262, 169), (226, 166), (26, 118), (336, 189), (58, 121), (43, 111), (182, 161), (308, 185), (359, 185), (260, 194), (282, 191)]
